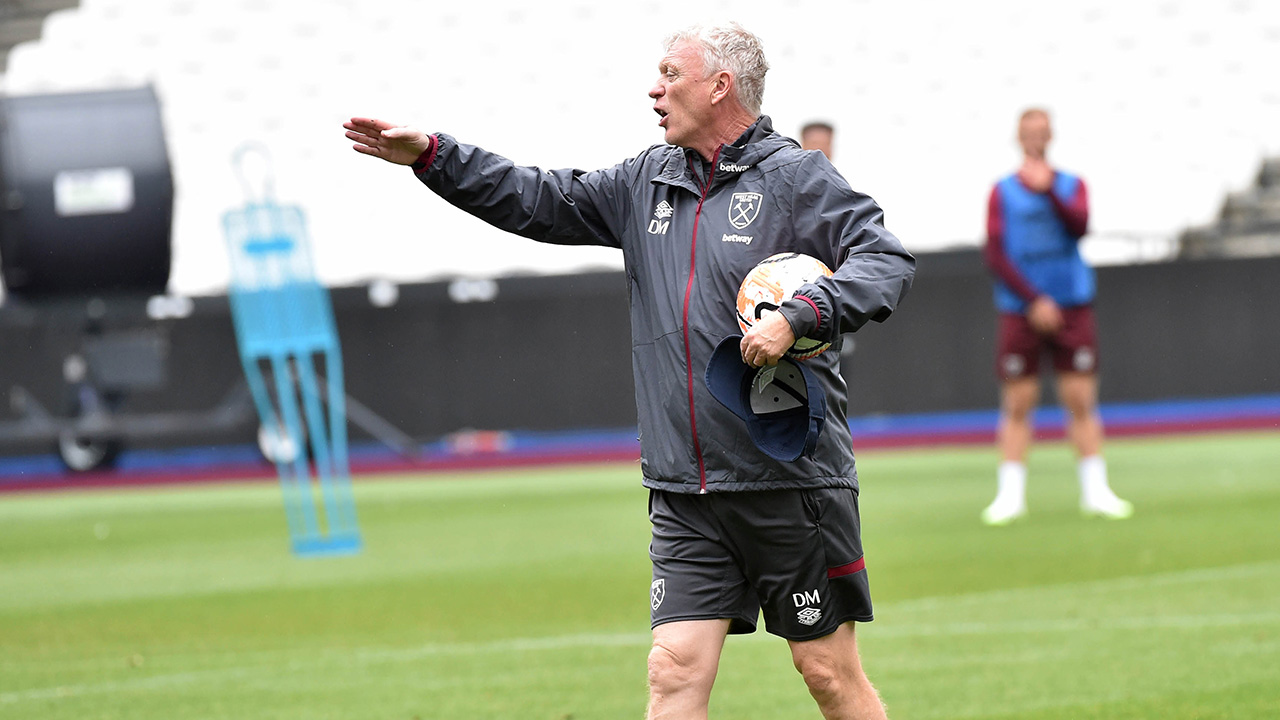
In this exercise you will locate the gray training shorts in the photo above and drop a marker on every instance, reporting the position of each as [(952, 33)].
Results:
[(795, 555)]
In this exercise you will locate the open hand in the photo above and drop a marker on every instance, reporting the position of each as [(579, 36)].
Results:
[(394, 143)]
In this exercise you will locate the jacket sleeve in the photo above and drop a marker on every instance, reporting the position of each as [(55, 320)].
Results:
[(563, 207), (874, 270)]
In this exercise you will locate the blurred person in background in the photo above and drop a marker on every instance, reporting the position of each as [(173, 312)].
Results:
[(1044, 293), (819, 135), (736, 532)]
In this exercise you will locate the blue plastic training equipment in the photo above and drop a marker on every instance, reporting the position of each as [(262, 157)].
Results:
[(284, 326)]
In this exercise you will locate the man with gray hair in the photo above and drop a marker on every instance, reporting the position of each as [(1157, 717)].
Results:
[(738, 531)]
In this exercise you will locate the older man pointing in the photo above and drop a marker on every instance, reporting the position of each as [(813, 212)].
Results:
[(737, 532)]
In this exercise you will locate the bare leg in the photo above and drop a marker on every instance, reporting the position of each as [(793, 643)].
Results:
[(1018, 398), (833, 672), (683, 663), (1079, 394)]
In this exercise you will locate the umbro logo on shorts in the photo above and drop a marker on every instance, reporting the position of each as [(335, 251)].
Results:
[(809, 616)]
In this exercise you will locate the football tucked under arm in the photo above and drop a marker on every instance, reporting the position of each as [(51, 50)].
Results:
[(771, 286), (875, 272)]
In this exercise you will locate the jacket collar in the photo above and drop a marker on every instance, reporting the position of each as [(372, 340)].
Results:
[(755, 144)]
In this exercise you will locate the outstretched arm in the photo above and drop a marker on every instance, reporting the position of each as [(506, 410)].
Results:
[(565, 207), (397, 144)]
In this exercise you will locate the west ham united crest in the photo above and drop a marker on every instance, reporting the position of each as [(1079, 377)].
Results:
[(657, 592), (743, 208)]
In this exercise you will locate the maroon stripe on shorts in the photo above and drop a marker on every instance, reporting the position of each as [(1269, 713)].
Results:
[(849, 569)]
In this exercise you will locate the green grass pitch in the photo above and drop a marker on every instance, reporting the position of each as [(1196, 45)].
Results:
[(524, 594)]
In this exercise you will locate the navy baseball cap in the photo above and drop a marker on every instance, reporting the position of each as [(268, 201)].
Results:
[(784, 416)]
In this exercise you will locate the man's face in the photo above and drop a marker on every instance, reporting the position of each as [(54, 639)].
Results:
[(682, 96), (817, 139), (1034, 134)]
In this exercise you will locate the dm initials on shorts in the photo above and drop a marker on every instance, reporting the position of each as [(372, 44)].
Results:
[(806, 598)]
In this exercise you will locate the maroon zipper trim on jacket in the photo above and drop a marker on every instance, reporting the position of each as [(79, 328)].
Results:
[(688, 292)]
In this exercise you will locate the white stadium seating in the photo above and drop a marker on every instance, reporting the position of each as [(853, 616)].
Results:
[(1163, 106)]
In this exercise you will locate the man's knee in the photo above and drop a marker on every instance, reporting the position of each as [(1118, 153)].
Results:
[(1079, 394), (672, 668), (824, 677), (1019, 397), (1018, 414)]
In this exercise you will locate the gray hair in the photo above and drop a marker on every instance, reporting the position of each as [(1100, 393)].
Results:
[(732, 48)]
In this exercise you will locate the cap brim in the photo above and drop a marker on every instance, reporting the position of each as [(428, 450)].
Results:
[(786, 435), (725, 375)]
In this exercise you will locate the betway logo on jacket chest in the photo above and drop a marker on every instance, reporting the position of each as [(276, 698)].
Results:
[(744, 208)]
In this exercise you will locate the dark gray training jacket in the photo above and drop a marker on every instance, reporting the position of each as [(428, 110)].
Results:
[(689, 233)]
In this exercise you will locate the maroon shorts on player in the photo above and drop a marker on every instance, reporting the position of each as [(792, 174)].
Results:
[(1073, 349)]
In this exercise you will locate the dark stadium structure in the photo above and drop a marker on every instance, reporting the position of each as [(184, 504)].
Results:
[(85, 249), (439, 361)]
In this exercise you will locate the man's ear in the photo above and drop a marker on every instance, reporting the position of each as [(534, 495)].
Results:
[(722, 86)]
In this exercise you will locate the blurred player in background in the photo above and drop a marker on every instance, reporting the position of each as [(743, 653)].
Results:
[(819, 135), (735, 531), (1044, 293)]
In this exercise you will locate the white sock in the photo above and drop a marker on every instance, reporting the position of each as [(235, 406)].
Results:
[(1093, 478), (1011, 479)]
